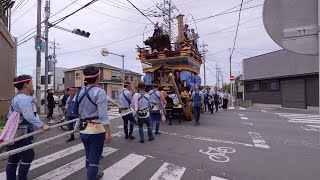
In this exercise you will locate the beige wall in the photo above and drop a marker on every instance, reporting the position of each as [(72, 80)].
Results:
[(106, 74), (7, 67), (69, 79)]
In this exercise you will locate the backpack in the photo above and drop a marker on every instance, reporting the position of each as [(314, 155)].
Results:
[(78, 100)]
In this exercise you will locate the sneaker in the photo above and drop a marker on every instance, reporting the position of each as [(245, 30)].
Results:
[(52, 122), (141, 141), (151, 139), (157, 133), (126, 137), (131, 137), (100, 174)]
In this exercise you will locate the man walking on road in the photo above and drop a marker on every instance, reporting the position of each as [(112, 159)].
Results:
[(198, 103), (69, 110), (156, 104), (91, 105), (51, 104), (216, 99), (141, 107), (125, 98)]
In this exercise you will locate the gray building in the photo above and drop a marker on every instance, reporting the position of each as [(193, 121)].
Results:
[(282, 78)]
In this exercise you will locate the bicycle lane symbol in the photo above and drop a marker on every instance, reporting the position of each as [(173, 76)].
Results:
[(218, 154)]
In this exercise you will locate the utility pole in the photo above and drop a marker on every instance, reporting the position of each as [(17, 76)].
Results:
[(54, 59), (38, 58), (169, 19), (204, 62), (231, 82), (47, 15)]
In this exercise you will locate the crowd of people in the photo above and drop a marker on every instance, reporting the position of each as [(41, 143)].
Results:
[(90, 105), (215, 99)]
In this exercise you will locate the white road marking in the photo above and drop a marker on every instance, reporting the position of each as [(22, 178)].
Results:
[(206, 139), (242, 108), (258, 141), (72, 167), (247, 123), (309, 129), (122, 167), (241, 114), (168, 172), (244, 118), (231, 107), (217, 178), (305, 122), (307, 119), (50, 158), (218, 154), (264, 111)]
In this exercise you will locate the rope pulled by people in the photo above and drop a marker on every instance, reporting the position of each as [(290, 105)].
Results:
[(35, 132), (31, 146)]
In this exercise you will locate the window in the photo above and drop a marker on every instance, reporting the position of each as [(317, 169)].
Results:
[(62, 80), (78, 76), (131, 78), (115, 93), (115, 74), (270, 85), (126, 78), (253, 86), (43, 79)]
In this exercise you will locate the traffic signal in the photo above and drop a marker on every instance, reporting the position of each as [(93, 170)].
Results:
[(81, 33), (40, 45)]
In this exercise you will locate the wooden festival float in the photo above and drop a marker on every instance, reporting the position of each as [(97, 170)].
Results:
[(175, 66)]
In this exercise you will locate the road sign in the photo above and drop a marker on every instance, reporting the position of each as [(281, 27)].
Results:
[(293, 24), (231, 78)]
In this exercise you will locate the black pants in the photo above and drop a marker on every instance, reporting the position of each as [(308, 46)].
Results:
[(24, 158), (225, 104), (50, 113), (210, 107), (216, 104), (71, 125), (206, 106), (126, 119), (196, 111)]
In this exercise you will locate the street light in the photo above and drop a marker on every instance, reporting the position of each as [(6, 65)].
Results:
[(105, 52)]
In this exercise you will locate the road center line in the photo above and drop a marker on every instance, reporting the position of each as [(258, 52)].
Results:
[(247, 123), (207, 139), (217, 178), (258, 141)]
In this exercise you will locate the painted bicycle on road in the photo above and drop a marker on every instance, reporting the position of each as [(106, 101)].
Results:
[(218, 154)]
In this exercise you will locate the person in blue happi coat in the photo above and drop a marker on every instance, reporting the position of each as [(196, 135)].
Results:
[(198, 103)]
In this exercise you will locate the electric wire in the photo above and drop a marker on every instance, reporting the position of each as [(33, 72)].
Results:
[(235, 38)]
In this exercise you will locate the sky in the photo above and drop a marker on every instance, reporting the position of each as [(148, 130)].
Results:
[(119, 27)]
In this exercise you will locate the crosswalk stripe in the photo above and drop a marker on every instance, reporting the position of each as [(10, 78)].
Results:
[(258, 141), (169, 172), (305, 122), (72, 167), (123, 167), (217, 178), (50, 158)]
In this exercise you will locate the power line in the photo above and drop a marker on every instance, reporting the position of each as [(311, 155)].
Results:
[(64, 8), (20, 7), (23, 14), (141, 12), (235, 38), (232, 26), (104, 44)]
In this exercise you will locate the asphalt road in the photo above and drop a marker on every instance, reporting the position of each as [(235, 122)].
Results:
[(234, 144)]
